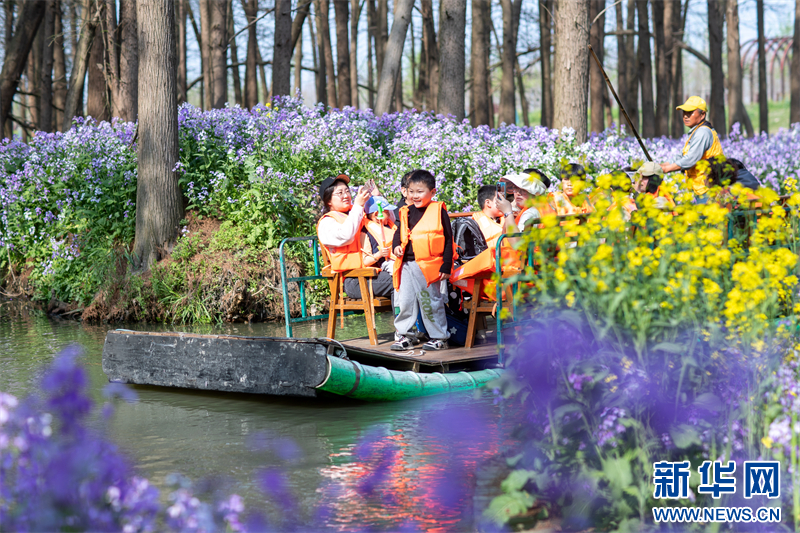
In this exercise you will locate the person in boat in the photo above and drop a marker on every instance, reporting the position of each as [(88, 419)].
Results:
[(403, 190), (562, 201), (379, 228), (495, 216), (529, 190), (340, 231), (724, 174), (701, 145), (649, 179), (423, 245)]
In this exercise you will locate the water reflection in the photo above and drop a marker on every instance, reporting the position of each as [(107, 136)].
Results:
[(378, 466)]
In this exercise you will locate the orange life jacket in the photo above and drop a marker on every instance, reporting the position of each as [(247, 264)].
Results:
[(427, 242), (564, 206), (628, 204), (382, 236), (491, 230), (697, 176), (666, 196), (345, 257)]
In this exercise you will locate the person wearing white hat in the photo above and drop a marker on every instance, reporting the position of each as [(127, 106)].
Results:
[(525, 187), (648, 181)]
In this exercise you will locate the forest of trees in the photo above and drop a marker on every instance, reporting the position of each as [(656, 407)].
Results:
[(81, 57)]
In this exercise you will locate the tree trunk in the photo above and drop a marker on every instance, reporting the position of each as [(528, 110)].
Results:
[(355, 9), (480, 109), (251, 66), (282, 50), (28, 22), (218, 53), (431, 55), (678, 23), (794, 109), (127, 105), (298, 67), (46, 73), (508, 106), (381, 33), (397, 98), (97, 101), (622, 61), (632, 103), (8, 126), (34, 75), (341, 10), (205, 55), (159, 203), (324, 36), (571, 67), (763, 117), (394, 52), (646, 72), (523, 100), (319, 62), (597, 84), (663, 80), (372, 16), (59, 70), (237, 81), (79, 66), (716, 104), (452, 32), (738, 113), (298, 21), (180, 13), (545, 24)]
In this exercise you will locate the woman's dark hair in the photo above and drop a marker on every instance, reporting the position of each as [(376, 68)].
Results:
[(327, 196), (422, 176), (572, 170), (540, 175), (653, 183)]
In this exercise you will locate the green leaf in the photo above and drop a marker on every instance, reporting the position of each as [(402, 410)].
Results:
[(505, 506), (709, 402), (516, 480), (684, 436), (669, 347)]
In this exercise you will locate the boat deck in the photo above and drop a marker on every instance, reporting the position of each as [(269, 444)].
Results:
[(419, 360)]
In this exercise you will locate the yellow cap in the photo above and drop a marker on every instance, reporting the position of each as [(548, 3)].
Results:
[(692, 103)]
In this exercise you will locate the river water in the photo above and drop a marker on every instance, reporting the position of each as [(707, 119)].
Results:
[(427, 451)]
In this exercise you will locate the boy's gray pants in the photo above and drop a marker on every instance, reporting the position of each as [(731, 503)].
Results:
[(416, 297)]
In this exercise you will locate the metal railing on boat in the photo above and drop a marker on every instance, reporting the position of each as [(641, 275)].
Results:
[(301, 282)]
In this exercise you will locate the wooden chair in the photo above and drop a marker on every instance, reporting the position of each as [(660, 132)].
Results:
[(478, 307), (341, 303)]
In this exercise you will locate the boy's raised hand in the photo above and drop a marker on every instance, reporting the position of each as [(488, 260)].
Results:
[(502, 204)]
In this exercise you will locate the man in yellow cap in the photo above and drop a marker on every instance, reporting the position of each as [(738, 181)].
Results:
[(703, 143)]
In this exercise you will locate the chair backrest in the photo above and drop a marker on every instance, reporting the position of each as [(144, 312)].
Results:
[(326, 258)]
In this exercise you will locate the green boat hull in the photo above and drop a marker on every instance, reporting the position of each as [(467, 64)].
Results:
[(371, 383)]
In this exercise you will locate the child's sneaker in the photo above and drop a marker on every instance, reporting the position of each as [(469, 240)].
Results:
[(435, 344), (403, 343)]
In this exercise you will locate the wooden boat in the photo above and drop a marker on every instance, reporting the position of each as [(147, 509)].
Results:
[(299, 367), (293, 367)]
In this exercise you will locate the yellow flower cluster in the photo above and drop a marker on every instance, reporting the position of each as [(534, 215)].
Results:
[(688, 265)]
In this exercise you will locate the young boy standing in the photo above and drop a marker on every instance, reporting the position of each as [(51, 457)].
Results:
[(423, 245)]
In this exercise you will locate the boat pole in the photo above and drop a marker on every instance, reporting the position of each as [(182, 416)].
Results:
[(621, 108)]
